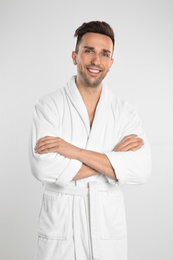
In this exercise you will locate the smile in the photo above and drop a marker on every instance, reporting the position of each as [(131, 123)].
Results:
[(93, 71)]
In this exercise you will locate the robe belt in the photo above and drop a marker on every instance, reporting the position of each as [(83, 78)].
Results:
[(92, 191)]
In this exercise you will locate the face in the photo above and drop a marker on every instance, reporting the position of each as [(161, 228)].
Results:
[(94, 59)]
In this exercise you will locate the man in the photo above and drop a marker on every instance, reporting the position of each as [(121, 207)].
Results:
[(86, 144)]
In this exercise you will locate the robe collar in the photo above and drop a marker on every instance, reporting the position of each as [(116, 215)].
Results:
[(100, 117)]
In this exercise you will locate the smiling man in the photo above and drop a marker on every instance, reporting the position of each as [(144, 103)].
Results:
[(85, 145), (97, 47)]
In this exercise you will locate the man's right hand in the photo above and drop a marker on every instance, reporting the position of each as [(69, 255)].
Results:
[(129, 143)]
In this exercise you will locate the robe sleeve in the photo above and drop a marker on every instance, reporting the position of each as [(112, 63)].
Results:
[(50, 167), (131, 167)]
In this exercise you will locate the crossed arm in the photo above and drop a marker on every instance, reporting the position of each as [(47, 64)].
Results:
[(93, 162)]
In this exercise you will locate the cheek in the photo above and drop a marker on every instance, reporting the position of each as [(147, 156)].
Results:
[(108, 66), (80, 61), (85, 59), (105, 65), (81, 64)]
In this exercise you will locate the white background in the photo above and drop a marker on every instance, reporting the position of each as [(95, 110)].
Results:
[(36, 41)]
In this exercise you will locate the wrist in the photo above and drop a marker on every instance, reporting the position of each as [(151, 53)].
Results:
[(78, 153)]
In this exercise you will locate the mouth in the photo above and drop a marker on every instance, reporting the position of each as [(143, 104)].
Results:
[(94, 72)]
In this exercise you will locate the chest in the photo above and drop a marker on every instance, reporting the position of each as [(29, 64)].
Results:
[(90, 130), (91, 114)]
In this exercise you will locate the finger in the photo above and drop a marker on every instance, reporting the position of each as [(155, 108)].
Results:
[(133, 143), (45, 142), (45, 147), (136, 148), (123, 146), (44, 139), (132, 140), (130, 144), (43, 151), (51, 150), (133, 146), (128, 137)]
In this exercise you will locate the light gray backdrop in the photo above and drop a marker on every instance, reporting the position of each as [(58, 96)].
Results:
[(36, 41)]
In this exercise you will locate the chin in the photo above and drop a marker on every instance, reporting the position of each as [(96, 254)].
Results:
[(91, 81), (94, 84)]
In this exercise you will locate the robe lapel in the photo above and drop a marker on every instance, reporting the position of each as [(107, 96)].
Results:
[(96, 133), (77, 102)]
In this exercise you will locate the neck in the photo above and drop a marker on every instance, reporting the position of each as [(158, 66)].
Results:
[(90, 95)]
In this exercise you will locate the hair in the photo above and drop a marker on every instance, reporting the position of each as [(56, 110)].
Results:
[(94, 27)]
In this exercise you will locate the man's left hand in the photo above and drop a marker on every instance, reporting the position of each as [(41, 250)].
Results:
[(49, 144)]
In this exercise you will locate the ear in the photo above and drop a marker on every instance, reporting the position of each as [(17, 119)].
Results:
[(74, 57), (111, 62)]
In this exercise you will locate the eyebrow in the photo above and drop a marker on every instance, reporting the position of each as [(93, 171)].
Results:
[(92, 48)]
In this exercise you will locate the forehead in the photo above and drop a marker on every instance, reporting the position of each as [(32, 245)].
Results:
[(97, 41)]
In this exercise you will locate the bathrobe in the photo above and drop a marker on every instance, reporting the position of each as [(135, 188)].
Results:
[(85, 219)]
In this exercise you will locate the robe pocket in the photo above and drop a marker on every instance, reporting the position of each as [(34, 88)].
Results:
[(53, 218), (112, 216)]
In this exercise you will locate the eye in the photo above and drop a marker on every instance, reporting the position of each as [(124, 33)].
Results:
[(105, 55), (88, 51)]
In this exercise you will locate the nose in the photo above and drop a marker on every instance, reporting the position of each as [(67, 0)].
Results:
[(95, 59)]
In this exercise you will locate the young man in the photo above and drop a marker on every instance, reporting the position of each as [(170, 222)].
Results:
[(86, 143)]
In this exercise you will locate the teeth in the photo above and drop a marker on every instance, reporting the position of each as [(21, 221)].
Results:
[(94, 71)]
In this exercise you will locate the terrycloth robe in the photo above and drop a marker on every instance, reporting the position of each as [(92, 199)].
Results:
[(66, 229)]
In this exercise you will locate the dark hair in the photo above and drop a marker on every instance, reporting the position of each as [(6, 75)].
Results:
[(94, 27)]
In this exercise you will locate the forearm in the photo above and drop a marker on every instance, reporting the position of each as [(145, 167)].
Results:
[(94, 162), (97, 161), (84, 172)]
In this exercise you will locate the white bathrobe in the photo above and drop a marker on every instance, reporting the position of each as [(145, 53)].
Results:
[(85, 219)]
